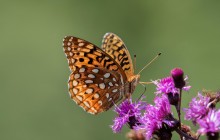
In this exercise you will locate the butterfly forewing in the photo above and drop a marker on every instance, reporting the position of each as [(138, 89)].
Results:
[(80, 53), (116, 48), (96, 81)]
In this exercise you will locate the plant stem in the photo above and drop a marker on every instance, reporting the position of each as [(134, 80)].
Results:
[(179, 111), (181, 133)]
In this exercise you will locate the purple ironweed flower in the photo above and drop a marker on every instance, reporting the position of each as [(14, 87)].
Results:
[(128, 112), (210, 123), (148, 121), (198, 108), (166, 85), (163, 109), (155, 116)]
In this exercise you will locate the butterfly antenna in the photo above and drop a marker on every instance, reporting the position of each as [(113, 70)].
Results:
[(142, 92), (134, 63), (150, 62)]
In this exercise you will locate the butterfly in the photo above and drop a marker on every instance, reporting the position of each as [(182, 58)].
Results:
[(99, 77)]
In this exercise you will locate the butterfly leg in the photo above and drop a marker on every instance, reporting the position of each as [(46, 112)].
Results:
[(146, 83)]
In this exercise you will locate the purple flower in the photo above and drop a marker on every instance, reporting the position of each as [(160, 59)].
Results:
[(166, 85), (210, 123), (155, 116), (198, 108), (148, 121), (128, 112), (163, 109)]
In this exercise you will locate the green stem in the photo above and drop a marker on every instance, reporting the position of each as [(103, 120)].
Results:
[(179, 111)]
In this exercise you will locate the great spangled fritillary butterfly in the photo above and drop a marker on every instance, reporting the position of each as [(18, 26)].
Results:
[(100, 77)]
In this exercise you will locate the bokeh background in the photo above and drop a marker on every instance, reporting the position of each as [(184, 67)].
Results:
[(34, 101)]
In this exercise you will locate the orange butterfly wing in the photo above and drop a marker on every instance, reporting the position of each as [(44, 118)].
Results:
[(116, 48), (97, 80)]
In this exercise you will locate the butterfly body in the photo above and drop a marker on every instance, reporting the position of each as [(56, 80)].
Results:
[(99, 78), (130, 86)]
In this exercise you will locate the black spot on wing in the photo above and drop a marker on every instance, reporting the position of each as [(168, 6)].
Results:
[(124, 63)]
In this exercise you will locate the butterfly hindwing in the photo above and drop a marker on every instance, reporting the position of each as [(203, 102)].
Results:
[(95, 89)]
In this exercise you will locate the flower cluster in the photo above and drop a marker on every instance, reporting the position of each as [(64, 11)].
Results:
[(201, 113), (155, 116), (198, 108), (158, 119), (210, 123), (166, 85), (128, 112)]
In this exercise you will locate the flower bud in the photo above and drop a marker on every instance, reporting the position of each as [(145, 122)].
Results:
[(178, 79)]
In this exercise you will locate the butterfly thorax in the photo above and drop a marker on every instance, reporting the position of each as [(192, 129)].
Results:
[(131, 85)]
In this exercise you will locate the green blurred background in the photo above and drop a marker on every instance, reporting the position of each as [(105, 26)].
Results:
[(35, 103)]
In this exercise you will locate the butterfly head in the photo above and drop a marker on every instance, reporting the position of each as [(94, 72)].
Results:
[(135, 80)]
